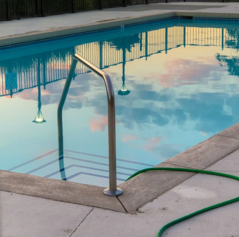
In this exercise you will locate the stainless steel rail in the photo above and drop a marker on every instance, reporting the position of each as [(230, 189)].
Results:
[(112, 190)]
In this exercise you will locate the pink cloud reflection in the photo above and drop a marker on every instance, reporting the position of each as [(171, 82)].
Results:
[(184, 72), (129, 137), (99, 124), (204, 133), (152, 143)]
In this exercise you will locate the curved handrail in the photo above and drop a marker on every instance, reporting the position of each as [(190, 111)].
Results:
[(113, 190)]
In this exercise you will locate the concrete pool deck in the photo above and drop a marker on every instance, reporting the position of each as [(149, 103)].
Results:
[(152, 198)]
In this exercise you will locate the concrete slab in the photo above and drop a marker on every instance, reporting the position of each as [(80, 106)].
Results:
[(193, 194), (205, 190), (229, 164), (23, 216), (221, 222), (58, 190), (147, 186), (29, 217)]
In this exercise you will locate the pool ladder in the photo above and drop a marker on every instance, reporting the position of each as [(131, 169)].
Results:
[(112, 190)]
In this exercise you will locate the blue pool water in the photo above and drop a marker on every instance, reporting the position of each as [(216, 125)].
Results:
[(175, 83)]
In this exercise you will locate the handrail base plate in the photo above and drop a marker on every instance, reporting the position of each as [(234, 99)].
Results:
[(116, 192)]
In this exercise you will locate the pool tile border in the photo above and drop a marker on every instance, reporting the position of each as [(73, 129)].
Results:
[(215, 19)]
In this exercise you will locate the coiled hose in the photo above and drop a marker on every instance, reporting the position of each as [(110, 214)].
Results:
[(199, 211)]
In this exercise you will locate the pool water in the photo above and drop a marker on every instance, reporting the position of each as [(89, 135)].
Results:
[(175, 83)]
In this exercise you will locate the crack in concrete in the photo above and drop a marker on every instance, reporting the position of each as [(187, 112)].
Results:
[(81, 222)]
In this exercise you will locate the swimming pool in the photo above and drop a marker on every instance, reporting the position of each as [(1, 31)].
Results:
[(175, 85)]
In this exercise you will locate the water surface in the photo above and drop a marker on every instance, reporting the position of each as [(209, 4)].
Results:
[(175, 83)]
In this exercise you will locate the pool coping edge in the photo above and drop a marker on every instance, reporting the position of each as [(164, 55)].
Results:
[(34, 36)]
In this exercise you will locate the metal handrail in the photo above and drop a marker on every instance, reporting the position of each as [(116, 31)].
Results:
[(112, 190)]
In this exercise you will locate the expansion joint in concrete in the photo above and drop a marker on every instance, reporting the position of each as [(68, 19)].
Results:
[(183, 166), (122, 205), (81, 222)]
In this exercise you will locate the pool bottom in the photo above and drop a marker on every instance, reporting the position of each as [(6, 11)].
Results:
[(79, 167)]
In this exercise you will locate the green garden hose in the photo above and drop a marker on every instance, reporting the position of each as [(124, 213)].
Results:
[(199, 211)]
